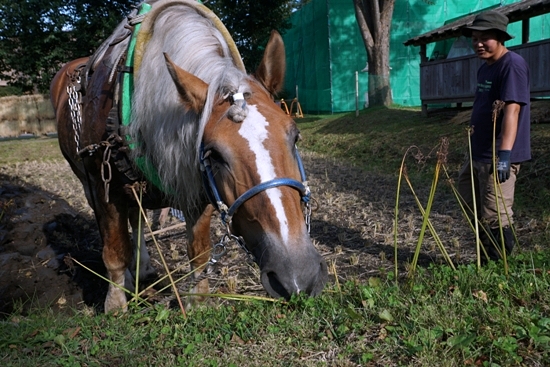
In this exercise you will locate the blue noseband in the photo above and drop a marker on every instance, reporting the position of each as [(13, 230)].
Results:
[(227, 212)]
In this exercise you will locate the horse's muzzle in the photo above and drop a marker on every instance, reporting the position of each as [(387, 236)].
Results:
[(287, 272)]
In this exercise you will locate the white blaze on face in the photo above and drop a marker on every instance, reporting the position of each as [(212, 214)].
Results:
[(254, 130)]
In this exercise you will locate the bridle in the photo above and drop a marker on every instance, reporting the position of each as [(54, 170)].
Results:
[(227, 212)]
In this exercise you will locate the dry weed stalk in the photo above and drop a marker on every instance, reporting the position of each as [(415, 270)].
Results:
[(498, 106), (232, 282), (134, 294), (137, 295), (144, 215), (332, 270), (474, 225), (224, 271), (441, 153)]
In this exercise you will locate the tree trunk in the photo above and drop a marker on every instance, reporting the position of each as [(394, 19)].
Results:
[(374, 20), (379, 78)]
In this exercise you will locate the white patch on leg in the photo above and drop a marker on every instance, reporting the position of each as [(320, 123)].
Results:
[(116, 297), (202, 287), (254, 130)]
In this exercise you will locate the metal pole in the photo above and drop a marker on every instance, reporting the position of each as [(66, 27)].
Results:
[(356, 93)]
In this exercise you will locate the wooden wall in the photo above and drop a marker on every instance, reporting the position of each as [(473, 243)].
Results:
[(454, 80)]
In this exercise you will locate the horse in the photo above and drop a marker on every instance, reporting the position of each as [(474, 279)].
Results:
[(202, 135)]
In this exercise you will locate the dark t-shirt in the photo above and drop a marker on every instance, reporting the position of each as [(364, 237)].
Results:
[(506, 80)]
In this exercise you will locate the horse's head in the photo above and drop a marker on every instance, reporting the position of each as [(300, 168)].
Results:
[(250, 141)]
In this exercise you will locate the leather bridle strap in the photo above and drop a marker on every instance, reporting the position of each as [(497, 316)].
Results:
[(228, 212), (304, 192)]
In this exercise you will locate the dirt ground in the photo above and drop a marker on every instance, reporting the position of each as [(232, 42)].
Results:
[(45, 223)]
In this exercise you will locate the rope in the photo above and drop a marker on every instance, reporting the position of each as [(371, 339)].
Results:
[(136, 19)]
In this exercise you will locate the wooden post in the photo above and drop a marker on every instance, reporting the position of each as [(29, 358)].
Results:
[(423, 59), (525, 30)]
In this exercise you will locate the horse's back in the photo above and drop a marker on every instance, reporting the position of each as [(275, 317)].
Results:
[(59, 98)]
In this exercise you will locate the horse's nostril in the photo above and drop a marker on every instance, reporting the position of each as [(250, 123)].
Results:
[(276, 286)]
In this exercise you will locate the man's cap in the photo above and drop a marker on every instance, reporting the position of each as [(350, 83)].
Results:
[(489, 20)]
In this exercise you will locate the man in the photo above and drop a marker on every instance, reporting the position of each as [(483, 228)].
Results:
[(500, 147)]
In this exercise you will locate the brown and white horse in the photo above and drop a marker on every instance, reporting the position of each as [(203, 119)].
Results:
[(193, 108)]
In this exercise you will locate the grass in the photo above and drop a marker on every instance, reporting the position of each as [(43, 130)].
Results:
[(443, 317), (379, 137), (28, 150), (446, 318)]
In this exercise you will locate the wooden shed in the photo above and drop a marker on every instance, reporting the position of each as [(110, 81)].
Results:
[(453, 80)]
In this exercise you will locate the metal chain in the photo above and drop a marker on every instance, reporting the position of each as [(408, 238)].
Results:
[(75, 103), (308, 216), (106, 177), (218, 251)]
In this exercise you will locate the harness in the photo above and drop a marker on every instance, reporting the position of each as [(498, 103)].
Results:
[(117, 144), (227, 212)]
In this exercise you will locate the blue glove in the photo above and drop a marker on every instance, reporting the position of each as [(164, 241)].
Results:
[(503, 165)]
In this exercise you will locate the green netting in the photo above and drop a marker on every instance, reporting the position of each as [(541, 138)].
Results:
[(308, 61), (348, 55), (325, 49)]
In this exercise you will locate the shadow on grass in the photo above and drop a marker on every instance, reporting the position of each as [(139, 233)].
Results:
[(384, 118), (308, 118), (28, 213), (75, 237)]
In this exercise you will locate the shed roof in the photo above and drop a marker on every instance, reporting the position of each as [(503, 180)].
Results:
[(517, 11)]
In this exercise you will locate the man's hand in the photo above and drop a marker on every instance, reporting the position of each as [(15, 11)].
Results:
[(503, 165)]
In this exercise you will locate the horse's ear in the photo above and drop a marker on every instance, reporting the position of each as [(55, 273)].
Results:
[(191, 89), (271, 72)]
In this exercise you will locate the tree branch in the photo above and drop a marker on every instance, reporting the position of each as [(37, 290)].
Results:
[(374, 16), (361, 16)]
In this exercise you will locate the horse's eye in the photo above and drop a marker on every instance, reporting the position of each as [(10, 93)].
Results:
[(214, 155), (217, 159)]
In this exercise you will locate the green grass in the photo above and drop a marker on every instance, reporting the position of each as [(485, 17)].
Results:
[(378, 138), (10, 91), (468, 317), (27, 150), (444, 318)]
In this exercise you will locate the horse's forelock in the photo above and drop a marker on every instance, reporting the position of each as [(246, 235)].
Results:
[(238, 110), (167, 134)]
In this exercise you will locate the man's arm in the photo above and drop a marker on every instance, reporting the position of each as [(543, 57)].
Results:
[(509, 132), (509, 125)]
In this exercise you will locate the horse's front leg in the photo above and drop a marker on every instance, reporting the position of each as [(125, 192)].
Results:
[(199, 246), (117, 251)]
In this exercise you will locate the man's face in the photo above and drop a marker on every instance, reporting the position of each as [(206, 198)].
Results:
[(486, 45)]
